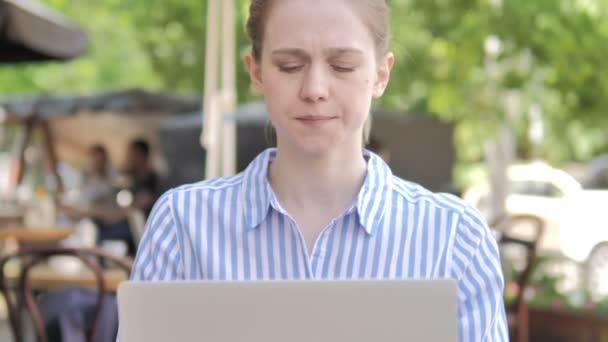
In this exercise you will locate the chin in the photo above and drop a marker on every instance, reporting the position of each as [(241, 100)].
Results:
[(316, 151), (311, 143), (315, 147)]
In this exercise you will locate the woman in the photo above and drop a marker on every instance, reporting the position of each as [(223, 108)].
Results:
[(319, 206)]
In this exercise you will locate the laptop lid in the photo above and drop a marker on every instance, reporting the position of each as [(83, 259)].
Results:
[(296, 311)]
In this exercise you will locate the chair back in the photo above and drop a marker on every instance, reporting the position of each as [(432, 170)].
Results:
[(19, 293), (523, 232)]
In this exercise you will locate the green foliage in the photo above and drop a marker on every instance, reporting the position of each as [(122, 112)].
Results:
[(544, 291), (172, 34)]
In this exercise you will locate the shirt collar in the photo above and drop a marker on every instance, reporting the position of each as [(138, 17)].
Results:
[(255, 189), (371, 202), (374, 199)]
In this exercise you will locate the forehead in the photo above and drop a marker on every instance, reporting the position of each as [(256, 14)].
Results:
[(308, 24)]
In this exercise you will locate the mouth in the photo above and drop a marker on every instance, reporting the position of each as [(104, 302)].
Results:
[(315, 118)]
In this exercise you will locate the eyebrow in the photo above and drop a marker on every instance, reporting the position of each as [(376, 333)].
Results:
[(290, 52), (303, 54)]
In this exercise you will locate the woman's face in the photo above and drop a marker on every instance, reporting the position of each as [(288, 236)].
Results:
[(318, 73)]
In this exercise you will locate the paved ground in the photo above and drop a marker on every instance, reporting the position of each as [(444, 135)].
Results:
[(6, 335)]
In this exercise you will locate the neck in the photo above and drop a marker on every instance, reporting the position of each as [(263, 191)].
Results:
[(326, 182)]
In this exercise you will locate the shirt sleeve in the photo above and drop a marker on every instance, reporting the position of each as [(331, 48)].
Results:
[(476, 266), (158, 256)]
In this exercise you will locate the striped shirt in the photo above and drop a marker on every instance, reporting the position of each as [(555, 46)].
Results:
[(235, 229)]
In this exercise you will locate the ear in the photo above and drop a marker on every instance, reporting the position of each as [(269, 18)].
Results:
[(255, 72), (383, 73)]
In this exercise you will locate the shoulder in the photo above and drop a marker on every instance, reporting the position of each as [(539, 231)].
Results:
[(470, 238), (469, 230), (210, 185), (185, 197), (416, 194)]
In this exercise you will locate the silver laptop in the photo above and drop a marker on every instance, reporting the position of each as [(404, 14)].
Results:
[(295, 311)]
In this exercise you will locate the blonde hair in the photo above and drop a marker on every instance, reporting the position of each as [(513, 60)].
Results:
[(367, 129), (376, 16)]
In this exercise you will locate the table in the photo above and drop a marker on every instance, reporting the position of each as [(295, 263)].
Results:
[(10, 218), (42, 234), (44, 277)]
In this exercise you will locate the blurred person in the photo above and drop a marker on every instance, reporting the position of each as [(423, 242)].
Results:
[(99, 182), (144, 181), (143, 186), (320, 206), (97, 193), (98, 201)]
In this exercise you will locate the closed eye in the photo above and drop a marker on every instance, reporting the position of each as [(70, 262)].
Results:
[(342, 69), (290, 69)]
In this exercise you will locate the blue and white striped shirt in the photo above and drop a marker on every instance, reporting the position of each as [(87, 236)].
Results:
[(235, 229)]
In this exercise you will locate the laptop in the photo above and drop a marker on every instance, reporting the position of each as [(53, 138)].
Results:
[(295, 311)]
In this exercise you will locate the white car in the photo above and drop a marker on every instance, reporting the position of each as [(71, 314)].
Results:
[(576, 218)]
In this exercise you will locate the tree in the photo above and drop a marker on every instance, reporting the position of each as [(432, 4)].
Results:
[(550, 58), (114, 59)]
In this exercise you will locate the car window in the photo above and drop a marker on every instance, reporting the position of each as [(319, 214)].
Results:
[(535, 188), (600, 181)]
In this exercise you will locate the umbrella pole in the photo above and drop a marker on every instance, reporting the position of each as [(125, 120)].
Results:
[(210, 135), (228, 89)]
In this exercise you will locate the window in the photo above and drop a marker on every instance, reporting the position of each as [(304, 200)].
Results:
[(600, 181), (535, 188)]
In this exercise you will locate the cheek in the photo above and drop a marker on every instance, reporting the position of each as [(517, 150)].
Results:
[(276, 92), (270, 85), (276, 109), (277, 101), (361, 84), (356, 96)]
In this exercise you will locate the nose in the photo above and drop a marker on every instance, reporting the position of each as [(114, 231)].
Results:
[(315, 86)]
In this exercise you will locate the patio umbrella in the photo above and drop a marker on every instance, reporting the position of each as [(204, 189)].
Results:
[(30, 32)]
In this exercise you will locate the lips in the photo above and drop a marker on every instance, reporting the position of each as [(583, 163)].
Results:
[(315, 118)]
